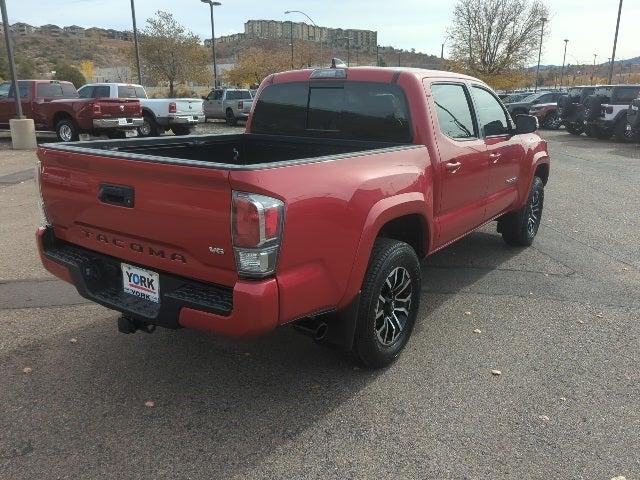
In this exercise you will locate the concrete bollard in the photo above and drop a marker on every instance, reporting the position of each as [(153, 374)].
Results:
[(23, 133)]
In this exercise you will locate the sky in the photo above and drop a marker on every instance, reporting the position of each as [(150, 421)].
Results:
[(421, 24)]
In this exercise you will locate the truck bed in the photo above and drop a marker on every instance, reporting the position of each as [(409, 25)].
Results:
[(239, 151)]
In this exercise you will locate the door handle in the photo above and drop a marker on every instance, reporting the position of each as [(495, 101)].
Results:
[(452, 167), (120, 195), (494, 157)]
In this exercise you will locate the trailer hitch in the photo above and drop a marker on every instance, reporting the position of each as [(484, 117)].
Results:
[(131, 325)]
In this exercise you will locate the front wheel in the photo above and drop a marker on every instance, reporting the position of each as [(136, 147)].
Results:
[(520, 228), (621, 132), (149, 127), (388, 303)]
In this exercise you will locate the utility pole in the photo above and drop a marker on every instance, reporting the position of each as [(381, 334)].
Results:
[(593, 70), (615, 42), (543, 20), (563, 60), (135, 41), (291, 35), (377, 55), (12, 65), (442, 52), (213, 41), (399, 53)]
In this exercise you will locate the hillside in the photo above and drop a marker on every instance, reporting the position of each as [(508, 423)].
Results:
[(45, 52)]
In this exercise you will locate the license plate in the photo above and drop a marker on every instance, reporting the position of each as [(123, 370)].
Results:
[(122, 121), (130, 133), (141, 283)]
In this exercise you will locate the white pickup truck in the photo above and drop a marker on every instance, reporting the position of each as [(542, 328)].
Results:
[(180, 115)]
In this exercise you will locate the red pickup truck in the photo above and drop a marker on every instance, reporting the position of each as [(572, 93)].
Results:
[(317, 216), (55, 106)]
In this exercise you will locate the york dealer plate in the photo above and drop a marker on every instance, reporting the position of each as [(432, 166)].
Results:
[(141, 283)]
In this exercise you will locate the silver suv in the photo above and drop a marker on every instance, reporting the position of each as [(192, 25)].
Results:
[(231, 104)]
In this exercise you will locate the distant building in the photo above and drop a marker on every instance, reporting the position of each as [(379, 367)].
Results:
[(75, 31), (235, 37), (22, 29), (50, 30), (359, 39)]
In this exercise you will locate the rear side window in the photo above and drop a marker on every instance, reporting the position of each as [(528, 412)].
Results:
[(453, 111), (68, 90), (490, 113), (102, 91), (344, 110), (86, 92), (625, 95)]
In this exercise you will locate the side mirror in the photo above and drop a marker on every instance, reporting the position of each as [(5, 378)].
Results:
[(526, 124)]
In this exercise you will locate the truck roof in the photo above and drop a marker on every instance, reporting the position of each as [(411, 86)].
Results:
[(374, 73), (118, 84)]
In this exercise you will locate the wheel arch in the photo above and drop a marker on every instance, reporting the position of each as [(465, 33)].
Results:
[(61, 115), (404, 217)]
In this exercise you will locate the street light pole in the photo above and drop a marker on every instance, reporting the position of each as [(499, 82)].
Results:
[(377, 55), (135, 40), (593, 70), (615, 42), (291, 35), (563, 60), (314, 24), (12, 65), (543, 19), (213, 40)]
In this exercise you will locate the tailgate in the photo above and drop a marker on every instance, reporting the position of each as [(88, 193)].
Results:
[(119, 107), (188, 106), (179, 214)]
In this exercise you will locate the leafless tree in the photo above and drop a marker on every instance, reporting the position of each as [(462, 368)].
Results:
[(493, 36)]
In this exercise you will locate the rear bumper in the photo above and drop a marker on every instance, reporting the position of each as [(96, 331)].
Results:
[(249, 308), (109, 123), (185, 119)]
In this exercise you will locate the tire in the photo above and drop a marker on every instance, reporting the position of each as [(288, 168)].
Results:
[(551, 121), (182, 130), (231, 119), (590, 131), (574, 129), (149, 127), (621, 133), (603, 134), (67, 130), (382, 327), (520, 228)]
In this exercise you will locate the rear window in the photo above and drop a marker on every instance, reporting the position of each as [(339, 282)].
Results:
[(344, 110), (130, 91), (56, 90), (238, 95)]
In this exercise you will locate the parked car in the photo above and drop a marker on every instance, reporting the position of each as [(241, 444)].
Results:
[(180, 115), (547, 115), (606, 111), (316, 217), (55, 106), (524, 106), (231, 104), (571, 108), (515, 97), (633, 120)]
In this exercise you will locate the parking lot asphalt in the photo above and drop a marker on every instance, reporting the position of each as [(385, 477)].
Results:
[(560, 320)]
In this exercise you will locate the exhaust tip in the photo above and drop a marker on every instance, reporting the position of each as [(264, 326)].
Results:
[(321, 331)]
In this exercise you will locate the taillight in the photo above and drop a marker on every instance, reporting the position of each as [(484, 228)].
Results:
[(96, 109), (139, 108), (256, 226), (172, 107), (240, 105)]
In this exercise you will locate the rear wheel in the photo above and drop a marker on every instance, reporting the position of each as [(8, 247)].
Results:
[(231, 118), (388, 303), (520, 228), (574, 128), (182, 130), (590, 131), (149, 127), (66, 130), (551, 121)]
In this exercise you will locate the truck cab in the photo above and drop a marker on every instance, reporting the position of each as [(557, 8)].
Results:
[(230, 104)]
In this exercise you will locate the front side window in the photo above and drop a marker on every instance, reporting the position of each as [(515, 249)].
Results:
[(625, 95), (140, 93), (4, 89), (217, 95), (86, 92), (453, 111), (102, 91), (491, 115), (126, 91)]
